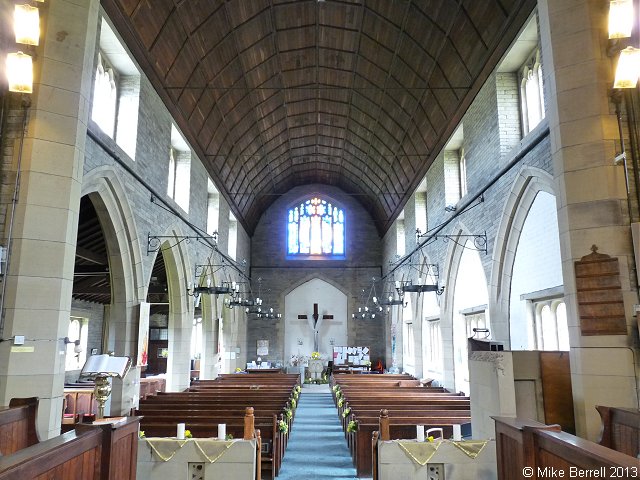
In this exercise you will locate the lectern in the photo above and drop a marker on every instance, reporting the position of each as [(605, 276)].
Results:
[(100, 368)]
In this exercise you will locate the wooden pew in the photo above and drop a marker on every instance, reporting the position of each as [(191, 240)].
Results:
[(404, 406), (398, 427), (78, 401), (105, 452), (209, 402), (18, 425), (620, 429), (523, 443)]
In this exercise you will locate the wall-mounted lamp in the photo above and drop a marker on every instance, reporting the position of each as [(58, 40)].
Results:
[(620, 18), (628, 69), (621, 29), (77, 348), (27, 24), (20, 72)]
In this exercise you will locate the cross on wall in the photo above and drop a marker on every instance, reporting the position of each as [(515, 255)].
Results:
[(315, 322)]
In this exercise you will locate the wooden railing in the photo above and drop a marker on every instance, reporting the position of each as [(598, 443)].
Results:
[(533, 450)]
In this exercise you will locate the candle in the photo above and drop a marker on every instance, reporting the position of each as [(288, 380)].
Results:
[(180, 433), (397, 284), (420, 433), (457, 433), (222, 431)]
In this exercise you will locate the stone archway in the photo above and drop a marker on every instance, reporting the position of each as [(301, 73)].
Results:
[(298, 337)]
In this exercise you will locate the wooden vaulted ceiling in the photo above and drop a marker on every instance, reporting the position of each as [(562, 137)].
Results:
[(359, 94)]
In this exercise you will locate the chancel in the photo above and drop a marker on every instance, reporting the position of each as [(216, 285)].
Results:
[(195, 185)]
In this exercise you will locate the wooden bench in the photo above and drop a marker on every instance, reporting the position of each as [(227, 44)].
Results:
[(208, 403), (398, 427), (405, 407), (620, 429), (18, 425), (78, 402), (524, 443), (88, 453)]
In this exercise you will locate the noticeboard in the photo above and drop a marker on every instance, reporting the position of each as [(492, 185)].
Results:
[(351, 356)]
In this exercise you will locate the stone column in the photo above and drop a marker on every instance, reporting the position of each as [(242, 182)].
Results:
[(40, 277), (592, 205)]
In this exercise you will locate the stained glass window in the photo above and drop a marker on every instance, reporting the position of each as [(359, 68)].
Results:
[(315, 227)]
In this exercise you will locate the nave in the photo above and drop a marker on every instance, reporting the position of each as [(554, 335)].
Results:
[(317, 447)]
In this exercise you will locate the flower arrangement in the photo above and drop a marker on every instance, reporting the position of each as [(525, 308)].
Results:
[(188, 434), (228, 436), (430, 438), (282, 426), (298, 388), (352, 426), (346, 412), (340, 402), (238, 369), (335, 388), (293, 403), (288, 413), (315, 356), (141, 434)]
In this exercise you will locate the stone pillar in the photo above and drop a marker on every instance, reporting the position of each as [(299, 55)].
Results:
[(40, 278), (592, 205)]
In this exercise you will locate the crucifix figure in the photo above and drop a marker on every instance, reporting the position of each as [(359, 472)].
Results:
[(315, 322)]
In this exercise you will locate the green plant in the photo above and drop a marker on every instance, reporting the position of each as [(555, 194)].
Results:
[(346, 412), (352, 427), (282, 426)]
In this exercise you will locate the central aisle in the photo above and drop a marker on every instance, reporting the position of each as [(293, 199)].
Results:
[(317, 448)]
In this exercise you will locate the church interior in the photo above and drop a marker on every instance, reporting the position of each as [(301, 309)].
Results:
[(289, 202)]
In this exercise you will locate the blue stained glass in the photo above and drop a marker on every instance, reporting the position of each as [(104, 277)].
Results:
[(293, 238), (315, 227), (338, 239), (305, 231)]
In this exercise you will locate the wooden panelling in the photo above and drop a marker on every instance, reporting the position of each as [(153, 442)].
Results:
[(373, 76), (600, 303), (556, 387)]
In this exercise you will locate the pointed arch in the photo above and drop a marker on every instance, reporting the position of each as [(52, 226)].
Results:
[(455, 302), (528, 183), (106, 192)]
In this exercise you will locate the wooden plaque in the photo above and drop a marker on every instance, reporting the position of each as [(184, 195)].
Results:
[(600, 303)]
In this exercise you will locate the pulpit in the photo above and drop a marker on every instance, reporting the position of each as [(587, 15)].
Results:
[(315, 369)]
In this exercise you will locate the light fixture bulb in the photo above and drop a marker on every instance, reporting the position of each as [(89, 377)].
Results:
[(620, 18), (26, 24), (20, 72)]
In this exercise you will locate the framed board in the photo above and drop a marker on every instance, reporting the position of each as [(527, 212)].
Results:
[(351, 356)]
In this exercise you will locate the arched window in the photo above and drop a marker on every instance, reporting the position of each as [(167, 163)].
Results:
[(532, 93), (105, 97), (315, 227)]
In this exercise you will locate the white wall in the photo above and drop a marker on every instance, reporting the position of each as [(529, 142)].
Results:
[(331, 301), (537, 265)]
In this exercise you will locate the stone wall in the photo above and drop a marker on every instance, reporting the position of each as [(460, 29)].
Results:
[(280, 275)]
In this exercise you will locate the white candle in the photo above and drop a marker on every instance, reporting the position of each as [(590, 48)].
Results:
[(457, 433), (397, 284), (180, 433), (222, 431), (420, 433)]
